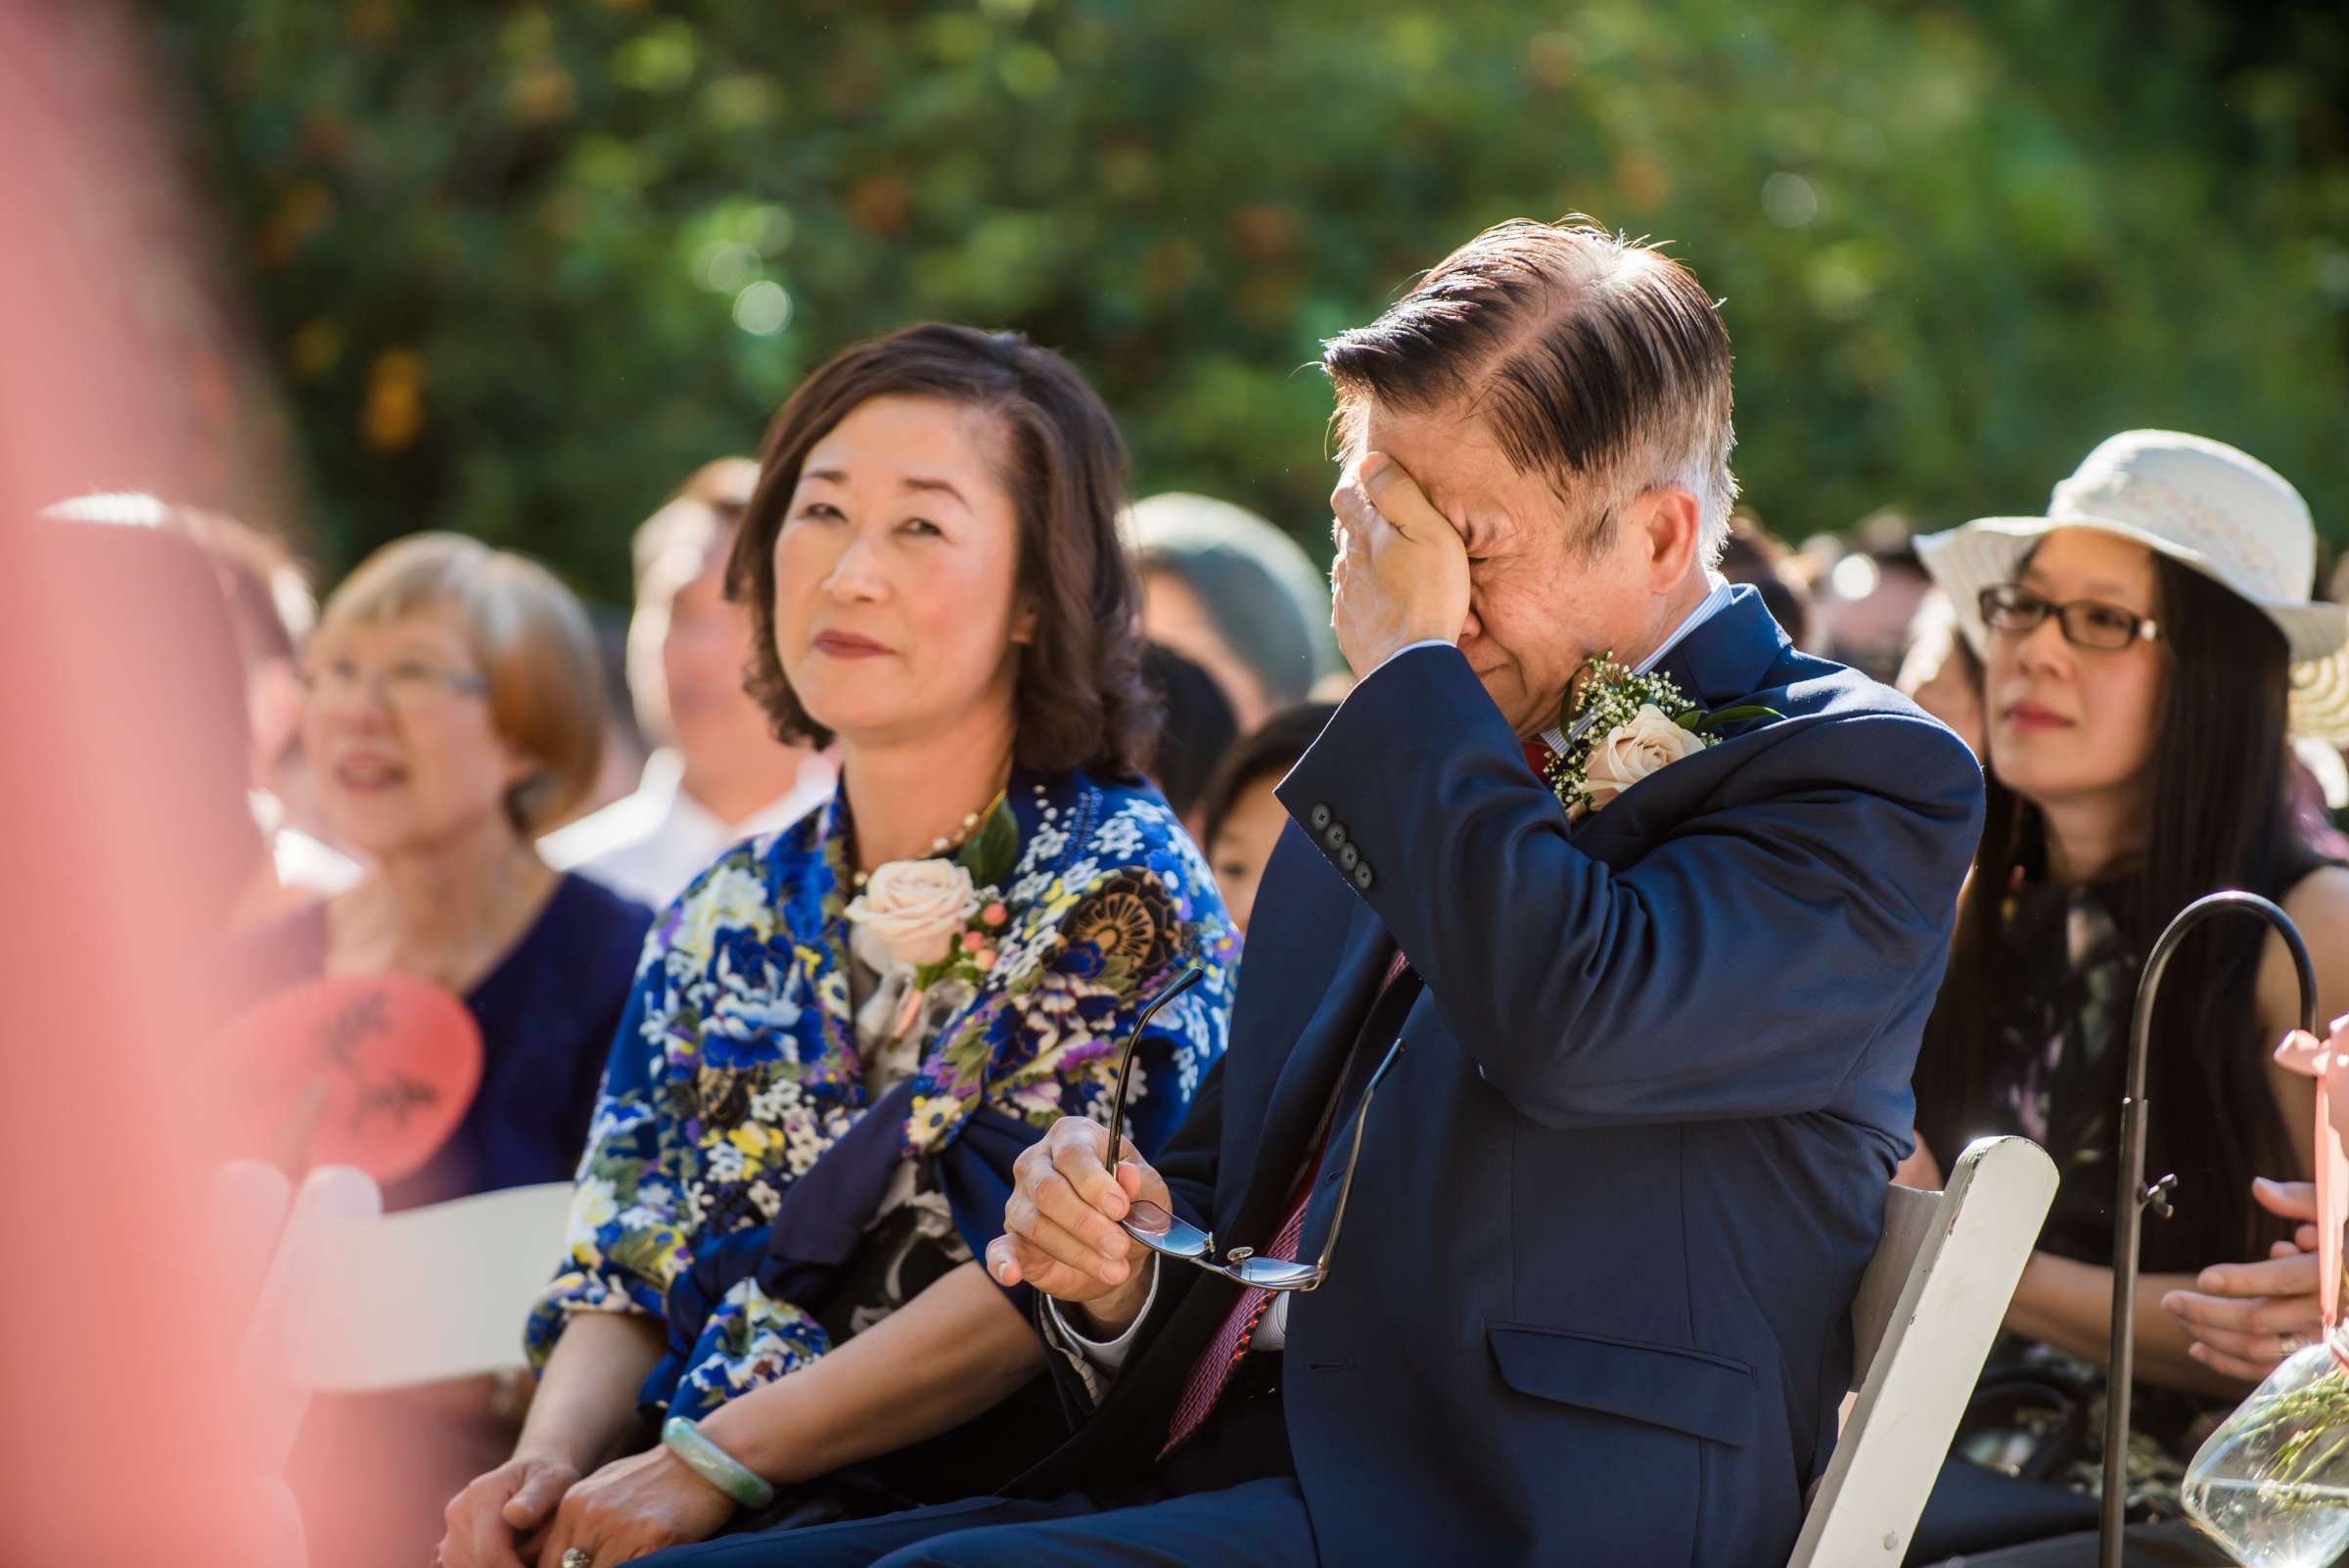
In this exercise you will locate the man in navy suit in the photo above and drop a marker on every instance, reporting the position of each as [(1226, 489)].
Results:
[(1589, 1304)]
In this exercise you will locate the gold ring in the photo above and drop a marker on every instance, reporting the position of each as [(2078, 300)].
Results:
[(2292, 1345)]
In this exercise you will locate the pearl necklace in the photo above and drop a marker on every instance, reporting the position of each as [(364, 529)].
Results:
[(944, 845)]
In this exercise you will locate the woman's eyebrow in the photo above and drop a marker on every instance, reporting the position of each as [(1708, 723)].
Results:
[(921, 483), (2091, 588), (915, 483)]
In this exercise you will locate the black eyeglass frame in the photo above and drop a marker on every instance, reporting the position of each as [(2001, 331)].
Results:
[(1999, 598), (1172, 1236)]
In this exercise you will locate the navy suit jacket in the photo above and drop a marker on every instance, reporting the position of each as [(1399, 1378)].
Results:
[(1591, 1304)]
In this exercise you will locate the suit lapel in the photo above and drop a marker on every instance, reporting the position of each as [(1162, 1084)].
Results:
[(1729, 656), (1301, 1093), (1723, 664)]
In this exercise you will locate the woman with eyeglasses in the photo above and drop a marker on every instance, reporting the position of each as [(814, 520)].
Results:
[(2148, 646), (453, 711), (844, 1032)]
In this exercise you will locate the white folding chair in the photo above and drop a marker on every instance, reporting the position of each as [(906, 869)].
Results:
[(357, 1300), (1928, 1309), (429, 1294)]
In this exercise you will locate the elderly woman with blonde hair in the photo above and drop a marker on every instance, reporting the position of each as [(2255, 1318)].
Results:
[(453, 708)]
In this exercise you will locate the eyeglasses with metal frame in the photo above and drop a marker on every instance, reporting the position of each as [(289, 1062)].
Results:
[(1170, 1235)]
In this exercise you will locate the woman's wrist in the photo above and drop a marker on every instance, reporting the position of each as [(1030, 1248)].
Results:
[(710, 1460), (754, 1429)]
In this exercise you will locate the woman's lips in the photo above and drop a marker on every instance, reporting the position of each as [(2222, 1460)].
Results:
[(367, 776), (2029, 716), (845, 645)]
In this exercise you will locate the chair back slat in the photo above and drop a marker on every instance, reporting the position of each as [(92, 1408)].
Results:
[(1928, 1309), (1908, 1220)]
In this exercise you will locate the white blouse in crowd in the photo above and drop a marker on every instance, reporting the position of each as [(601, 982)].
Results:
[(647, 846)]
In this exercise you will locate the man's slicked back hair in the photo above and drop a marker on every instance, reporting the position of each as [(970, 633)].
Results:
[(1595, 360)]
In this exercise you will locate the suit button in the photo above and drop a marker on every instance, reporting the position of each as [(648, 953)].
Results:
[(1319, 816), (1350, 857), (1334, 836), (1361, 876)]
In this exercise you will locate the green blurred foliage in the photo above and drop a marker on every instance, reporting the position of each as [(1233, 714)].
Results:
[(522, 266)]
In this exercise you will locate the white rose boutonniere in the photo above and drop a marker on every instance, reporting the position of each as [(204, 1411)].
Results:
[(916, 909), (1629, 753), (1624, 728)]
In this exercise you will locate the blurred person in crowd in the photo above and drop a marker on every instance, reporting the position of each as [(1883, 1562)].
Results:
[(1871, 594), (844, 1032), (2146, 646), (1760, 557), (1197, 731), (1234, 595), (270, 611), (1240, 817), (452, 706), (1941, 672), (619, 770), (719, 775)]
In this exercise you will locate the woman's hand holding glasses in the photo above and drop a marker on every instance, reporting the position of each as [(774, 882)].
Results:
[(1062, 1232)]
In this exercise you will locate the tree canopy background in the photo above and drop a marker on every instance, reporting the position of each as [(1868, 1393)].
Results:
[(520, 267)]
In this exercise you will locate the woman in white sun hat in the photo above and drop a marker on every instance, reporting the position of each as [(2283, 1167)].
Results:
[(2147, 647)]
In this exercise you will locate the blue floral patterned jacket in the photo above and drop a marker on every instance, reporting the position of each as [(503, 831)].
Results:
[(736, 1068)]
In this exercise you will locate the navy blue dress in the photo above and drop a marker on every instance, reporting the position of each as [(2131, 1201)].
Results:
[(547, 1014)]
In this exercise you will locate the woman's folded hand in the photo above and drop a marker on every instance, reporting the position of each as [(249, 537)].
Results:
[(2246, 1318)]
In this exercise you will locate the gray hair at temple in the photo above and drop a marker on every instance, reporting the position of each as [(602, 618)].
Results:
[(1270, 604), (1589, 355)]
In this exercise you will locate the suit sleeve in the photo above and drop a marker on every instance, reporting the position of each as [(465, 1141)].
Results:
[(1739, 968)]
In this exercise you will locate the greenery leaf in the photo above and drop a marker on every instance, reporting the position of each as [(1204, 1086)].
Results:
[(993, 851), (1737, 715)]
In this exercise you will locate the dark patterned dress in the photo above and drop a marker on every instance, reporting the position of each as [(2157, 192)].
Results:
[(2055, 1076)]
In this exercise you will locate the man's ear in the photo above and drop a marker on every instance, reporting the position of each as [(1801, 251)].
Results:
[(1672, 524)]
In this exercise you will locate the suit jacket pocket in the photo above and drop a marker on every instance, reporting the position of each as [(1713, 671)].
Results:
[(1691, 1391)]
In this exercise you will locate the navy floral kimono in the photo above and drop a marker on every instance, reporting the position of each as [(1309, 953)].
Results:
[(795, 1135)]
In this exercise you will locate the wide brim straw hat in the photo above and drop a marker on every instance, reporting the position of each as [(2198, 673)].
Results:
[(2201, 503)]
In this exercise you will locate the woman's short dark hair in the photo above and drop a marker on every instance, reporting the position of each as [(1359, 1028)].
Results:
[(1081, 700)]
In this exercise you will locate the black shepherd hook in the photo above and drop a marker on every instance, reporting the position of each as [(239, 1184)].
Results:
[(2133, 1197)]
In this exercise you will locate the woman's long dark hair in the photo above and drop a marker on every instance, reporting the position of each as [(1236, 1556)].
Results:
[(2220, 819)]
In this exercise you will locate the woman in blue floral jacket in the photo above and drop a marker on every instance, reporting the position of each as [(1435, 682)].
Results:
[(841, 1034)]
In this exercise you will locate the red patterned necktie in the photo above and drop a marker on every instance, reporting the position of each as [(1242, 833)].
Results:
[(1537, 756), (1224, 1351)]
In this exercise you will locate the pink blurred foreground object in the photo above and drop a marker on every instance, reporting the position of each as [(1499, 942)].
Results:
[(121, 810), (2328, 1062)]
